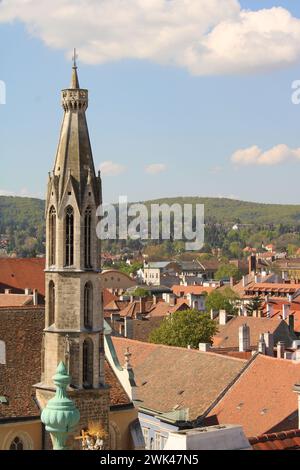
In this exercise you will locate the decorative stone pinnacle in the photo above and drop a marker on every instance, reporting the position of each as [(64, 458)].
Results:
[(60, 415), (127, 355)]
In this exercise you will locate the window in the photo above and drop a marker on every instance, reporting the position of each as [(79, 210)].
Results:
[(52, 236), (87, 237), (159, 441), (87, 363), (51, 303), (17, 444), (88, 305), (146, 435), (69, 236)]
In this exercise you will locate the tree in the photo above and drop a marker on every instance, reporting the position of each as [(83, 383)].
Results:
[(140, 292), (254, 305), (228, 270), (222, 300), (183, 328)]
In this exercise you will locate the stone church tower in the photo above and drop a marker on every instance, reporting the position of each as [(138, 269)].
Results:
[(74, 317)]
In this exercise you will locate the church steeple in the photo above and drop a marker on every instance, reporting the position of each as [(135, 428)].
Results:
[(73, 312)]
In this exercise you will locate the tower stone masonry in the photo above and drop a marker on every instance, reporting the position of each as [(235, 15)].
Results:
[(73, 314)]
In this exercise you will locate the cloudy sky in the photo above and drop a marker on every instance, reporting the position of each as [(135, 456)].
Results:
[(187, 97)]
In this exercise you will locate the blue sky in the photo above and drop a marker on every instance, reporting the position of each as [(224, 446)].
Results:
[(145, 112)]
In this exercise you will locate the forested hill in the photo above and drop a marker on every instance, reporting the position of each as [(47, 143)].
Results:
[(22, 220)]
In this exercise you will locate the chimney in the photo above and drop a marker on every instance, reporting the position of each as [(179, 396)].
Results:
[(222, 317), (204, 347), (291, 323), (244, 338), (262, 345), (213, 314), (35, 297), (280, 349), (142, 305), (154, 299), (269, 341), (172, 300), (231, 281), (28, 291), (252, 264), (244, 281), (290, 298), (285, 311), (269, 310), (7, 291)]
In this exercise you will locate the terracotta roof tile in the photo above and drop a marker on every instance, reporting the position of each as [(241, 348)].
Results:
[(118, 396), (287, 440), (15, 300), (170, 377), (22, 273), (227, 337), (262, 400), (196, 290)]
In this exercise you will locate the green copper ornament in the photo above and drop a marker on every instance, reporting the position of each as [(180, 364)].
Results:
[(60, 416)]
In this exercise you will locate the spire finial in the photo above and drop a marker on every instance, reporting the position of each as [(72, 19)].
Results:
[(75, 56), (74, 79)]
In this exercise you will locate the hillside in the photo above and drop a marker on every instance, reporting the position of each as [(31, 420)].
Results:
[(22, 220)]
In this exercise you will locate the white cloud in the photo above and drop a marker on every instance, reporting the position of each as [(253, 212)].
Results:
[(206, 37), (108, 168), (155, 168), (6, 192), (256, 156)]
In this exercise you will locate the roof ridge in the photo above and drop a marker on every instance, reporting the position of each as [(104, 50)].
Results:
[(211, 353)]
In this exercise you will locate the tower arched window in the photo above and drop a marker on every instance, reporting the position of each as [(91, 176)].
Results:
[(17, 444), (87, 363), (52, 236), (87, 237), (69, 236), (51, 303), (88, 305)]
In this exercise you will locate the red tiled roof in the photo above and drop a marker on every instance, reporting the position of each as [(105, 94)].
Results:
[(285, 440), (15, 300), (108, 297), (169, 377), (262, 400), (118, 396), (196, 290), (21, 273), (227, 337), (162, 309)]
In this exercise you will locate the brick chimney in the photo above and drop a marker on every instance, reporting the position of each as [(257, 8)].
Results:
[(285, 311), (280, 349), (252, 264), (262, 345), (269, 341), (222, 317), (244, 338)]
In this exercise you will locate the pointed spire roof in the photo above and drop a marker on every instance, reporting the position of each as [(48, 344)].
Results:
[(74, 159)]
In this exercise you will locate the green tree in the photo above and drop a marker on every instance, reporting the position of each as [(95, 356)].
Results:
[(228, 270), (254, 305), (183, 328), (222, 300), (140, 292)]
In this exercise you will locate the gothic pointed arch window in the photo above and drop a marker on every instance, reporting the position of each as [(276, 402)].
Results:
[(87, 363), (88, 305), (87, 237), (17, 444), (69, 236), (51, 303), (52, 236)]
